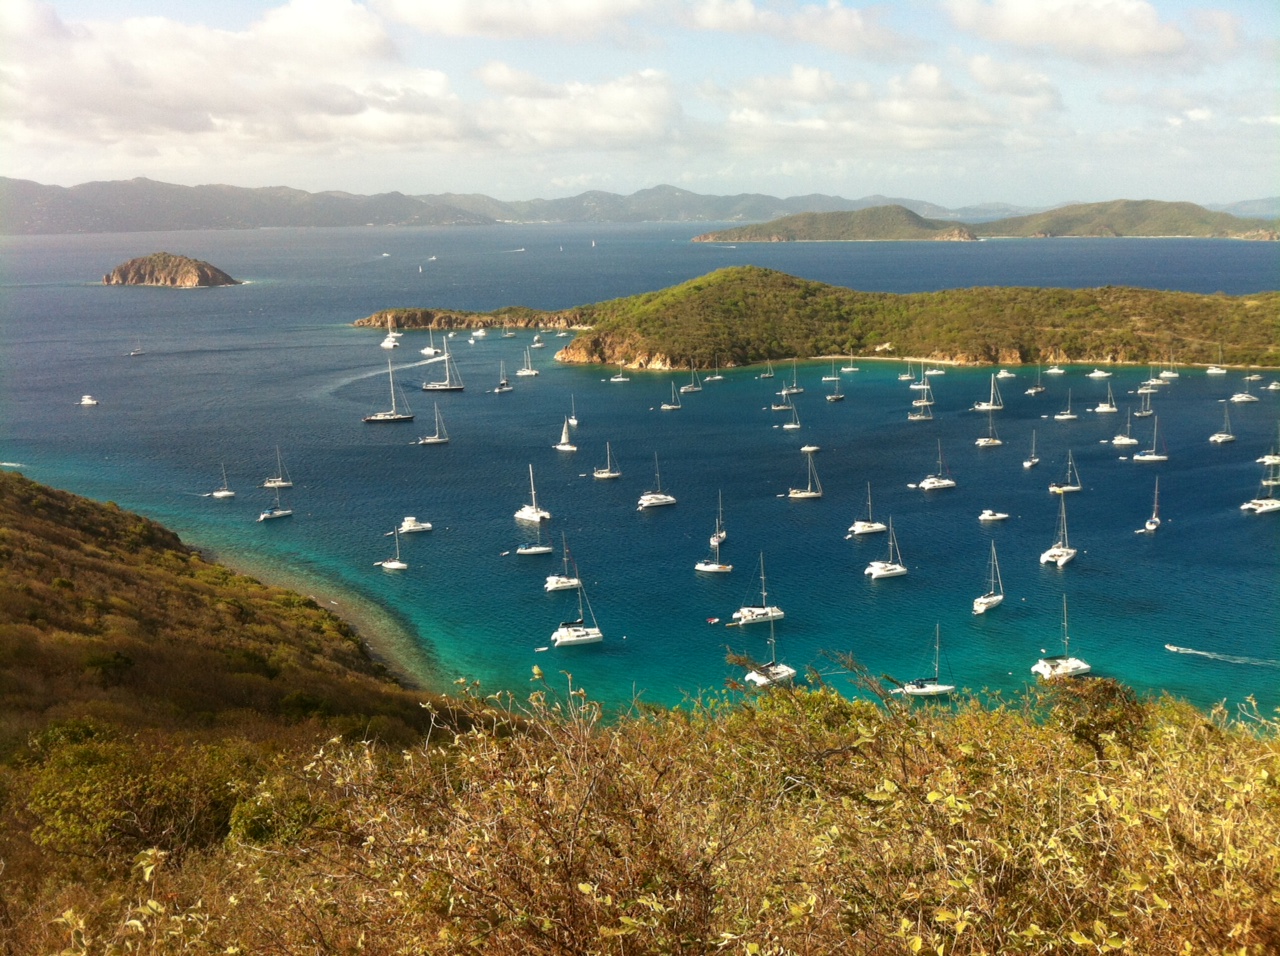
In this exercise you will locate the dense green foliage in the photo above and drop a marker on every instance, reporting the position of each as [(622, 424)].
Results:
[(747, 314)]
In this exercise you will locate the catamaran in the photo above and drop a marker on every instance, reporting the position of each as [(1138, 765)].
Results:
[(758, 613), (610, 470), (813, 489), (990, 439), (939, 479), (531, 511), (1071, 482), (1126, 438), (578, 632), (430, 349), (396, 414), (656, 498), (993, 403), (1061, 665), (1245, 396), (563, 581), (870, 526), (281, 478), (773, 673), (892, 566), (410, 525), (1109, 406), (1061, 552), (928, 686), (995, 587), (527, 369), (1224, 436), (439, 436)]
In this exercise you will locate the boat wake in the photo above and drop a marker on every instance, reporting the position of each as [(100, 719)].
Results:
[(1229, 658), (12, 464)]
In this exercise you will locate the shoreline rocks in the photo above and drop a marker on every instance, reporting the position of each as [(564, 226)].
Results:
[(167, 269)]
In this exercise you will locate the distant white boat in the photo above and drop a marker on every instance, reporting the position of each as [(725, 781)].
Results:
[(1153, 453), (1145, 410), (281, 478), (527, 369), (1061, 552), (795, 387), (990, 439), (439, 436), (396, 414), (694, 385), (935, 371), (1153, 522), (1216, 369), (715, 375), (1066, 415), (610, 470), (534, 547), (563, 581), (537, 342), (393, 563), (430, 349), (768, 369), (759, 613), (1038, 387), (1246, 395), (1032, 459), (939, 479), (1054, 370), (674, 405), (1061, 665), (410, 525), (573, 412), (1071, 482), (850, 367), (835, 395), (870, 526), (995, 586), (795, 419), (224, 491), (892, 566), (656, 498), (928, 686), (712, 563), (87, 400), (994, 401), (1005, 373), (504, 384), (1126, 438), (1099, 373), (531, 511), (908, 375), (619, 377), (452, 381), (275, 511), (570, 633), (564, 444), (1109, 406), (926, 396), (833, 377), (720, 534), (1226, 435), (774, 673), (990, 515), (810, 449), (814, 487)]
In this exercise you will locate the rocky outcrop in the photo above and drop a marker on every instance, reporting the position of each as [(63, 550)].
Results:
[(958, 234), (164, 268)]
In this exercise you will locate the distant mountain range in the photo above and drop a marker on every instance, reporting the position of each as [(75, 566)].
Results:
[(144, 205)]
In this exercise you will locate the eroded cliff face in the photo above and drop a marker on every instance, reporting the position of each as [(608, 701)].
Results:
[(166, 269)]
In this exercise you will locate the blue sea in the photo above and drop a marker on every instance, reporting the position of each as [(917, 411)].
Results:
[(229, 374)]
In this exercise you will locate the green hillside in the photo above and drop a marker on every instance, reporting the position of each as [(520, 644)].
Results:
[(879, 222)]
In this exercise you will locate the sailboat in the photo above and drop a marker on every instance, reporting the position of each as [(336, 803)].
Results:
[(850, 367), (392, 341), (926, 396), (656, 498), (1216, 369), (694, 385), (995, 586), (758, 613), (1061, 552), (835, 394), (994, 402), (281, 478), (795, 419), (564, 444), (908, 375), (720, 534), (504, 384), (577, 632), (939, 479), (794, 388), (870, 526), (395, 414), (225, 490), (1145, 410), (990, 439), (928, 686), (712, 563), (1032, 459), (531, 511), (922, 413), (507, 333), (1061, 665), (137, 349), (1246, 395), (1109, 405), (564, 581), (394, 563), (673, 405), (535, 546), (527, 369), (1066, 415), (430, 349), (1225, 435), (715, 375), (440, 436), (537, 342), (620, 377), (768, 369), (573, 412), (1153, 522), (1170, 370), (813, 489), (1153, 453), (892, 566), (1071, 482), (275, 511), (833, 377), (610, 470), (1038, 387), (773, 673), (452, 380), (1126, 438)]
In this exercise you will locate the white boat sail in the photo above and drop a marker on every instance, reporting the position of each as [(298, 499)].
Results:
[(281, 478), (1109, 406), (504, 384), (656, 498), (1032, 459), (610, 470), (939, 479), (990, 439), (720, 534), (563, 581), (1061, 552), (393, 563), (870, 526), (527, 369), (1069, 483), (439, 436), (620, 377), (1061, 665), (564, 444), (1153, 453), (928, 686), (694, 385), (758, 613), (537, 342), (813, 489), (1226, 435), (1153, 522), (995, 587), (1066, 415), (892, 566), (396, 414), (578, 631), (673, 405), (1126, 438), (774, 673), (452, 381), (531, 511), (994, 402), (224, 491), (276, 510)]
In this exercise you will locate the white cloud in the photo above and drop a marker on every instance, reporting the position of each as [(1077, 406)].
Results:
[(1094, 30), (573, 19), (832, 25), (1032, 93)]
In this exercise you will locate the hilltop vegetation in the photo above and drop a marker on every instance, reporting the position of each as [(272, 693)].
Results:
[(195, 763), (881, 223), (748, 314)]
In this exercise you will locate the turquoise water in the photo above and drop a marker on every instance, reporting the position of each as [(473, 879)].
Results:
[(229, 374)]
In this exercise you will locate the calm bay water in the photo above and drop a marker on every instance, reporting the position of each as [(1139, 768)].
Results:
[(229, 374)]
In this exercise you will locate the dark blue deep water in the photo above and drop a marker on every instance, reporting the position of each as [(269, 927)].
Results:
[(230, 374)]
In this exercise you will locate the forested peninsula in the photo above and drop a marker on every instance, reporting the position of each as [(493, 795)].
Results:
[(747, 314), (192, 763)]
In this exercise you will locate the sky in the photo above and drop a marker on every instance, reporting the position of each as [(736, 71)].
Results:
[(1030, 102)]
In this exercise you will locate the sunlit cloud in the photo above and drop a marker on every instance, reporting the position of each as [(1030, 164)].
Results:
[(571, 19), (832, 25), (1084, 29)]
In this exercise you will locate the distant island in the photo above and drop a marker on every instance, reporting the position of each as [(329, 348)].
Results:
[(747, 314), (1146, 219), (166, 269)]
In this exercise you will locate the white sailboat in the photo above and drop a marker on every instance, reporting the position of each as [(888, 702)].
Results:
[(995, 587), (396, 414), (928, 686), (504, 384), (1153, 522), (563, 581), (430, 349), (1061, 665), (1032, 459), (620, 377), (892, 566), (922, 413), (795, 419), (694, 385), (610, 470), (768, 369), (1226, 435), (1153, 453), (281, 478), (537, 342), (276, 510), (794, 388), (452, 381), (990, 439), (536, 546), (1038, 387), (393, 563), (870, 526), (835, 395), (720, 534), (1125, 438), (833, 377), (1145, 410), (531, 511), (570, 633), (1109, 406), (1061, 552), (850, 367), (573, 412), (712, 564), (939, 479), (225, 490), (1216, 369), (1071, 482), (527, 369), (564, 444), (758, 613), (994, 402), (673, 405), (440, 436), (908, 375), (656, 498), (1066, 415), (774, 673), (813, 489), (1245, 396), (926, 397), (715, 375)]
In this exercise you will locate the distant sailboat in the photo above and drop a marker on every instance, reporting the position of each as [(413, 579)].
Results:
[(939, 479), (1071, 482), (758, 613), (1038, 387), (225, 490), (990, 439), (870, 526), (993, 403), (1109, 406), (1066, 415), (673, 405), (440, 436), (712, 563), (1226, 435), (720, 534), (452, 381), (570, 633), (620, 377), (564, 581), (1125, 438), (1153, 522), (795, 419), (531, 511), (656, 498), (504, 384), (610, 470), (1145, 410), (768, 369), (892, 566), (995, 587), (794, 388), (694, 385), (928, 686), (774, 673), (527, 369), (1061, 552), (275, 511), (393, 563), (564, 444), (1032, 459), (396, 414), (281, 478), (814, 487), (1061, 665), (1153, 453), (573, 412)]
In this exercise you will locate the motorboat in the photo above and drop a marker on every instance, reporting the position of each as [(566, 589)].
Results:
[(1099, 373), (1005, 373), (411, 525), (87, 400), (990, 515)]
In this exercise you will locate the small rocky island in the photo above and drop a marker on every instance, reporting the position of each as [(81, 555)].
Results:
[(164, 268)]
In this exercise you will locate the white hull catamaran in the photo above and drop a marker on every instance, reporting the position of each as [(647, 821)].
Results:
[(1061, 552), (891, 567), (656, 498), (940, 479), (758, 613), (531, 511), (994, 402), (774, 673), (1061, 665), (870, 526), (570, 633)]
